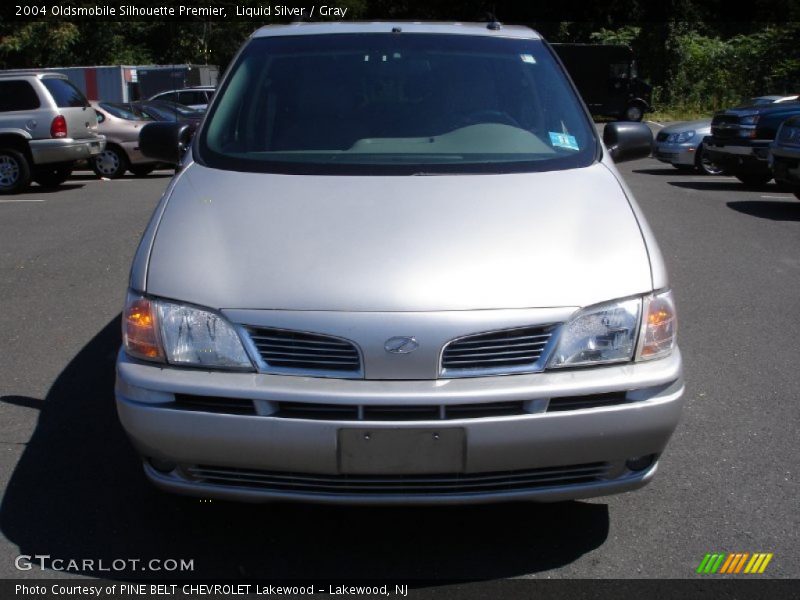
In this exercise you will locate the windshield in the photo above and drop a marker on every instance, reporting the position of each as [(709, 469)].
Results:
[(396, 103)]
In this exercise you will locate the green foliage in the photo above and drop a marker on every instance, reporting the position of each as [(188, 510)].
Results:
[(697, 70), (624, 35), (696, 66)]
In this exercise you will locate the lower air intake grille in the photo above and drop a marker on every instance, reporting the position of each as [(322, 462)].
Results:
[(214, 404), (410, 412), (455, 483), (496, 352), (578, 402), (297, 352)]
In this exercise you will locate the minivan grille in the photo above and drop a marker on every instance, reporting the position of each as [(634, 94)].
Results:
[(284, 350), (505, 351), (449, 483)]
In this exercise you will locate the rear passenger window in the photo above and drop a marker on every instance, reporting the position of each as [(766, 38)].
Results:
[(64, 93), (188, 98), (17, 95)]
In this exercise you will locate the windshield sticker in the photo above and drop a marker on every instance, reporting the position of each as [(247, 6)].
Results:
[(528, 58), (563, 140)]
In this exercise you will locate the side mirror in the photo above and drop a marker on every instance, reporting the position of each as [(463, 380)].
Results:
[(164, 141), (627, 141)]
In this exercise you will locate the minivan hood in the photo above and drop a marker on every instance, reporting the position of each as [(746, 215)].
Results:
[(409, 243)]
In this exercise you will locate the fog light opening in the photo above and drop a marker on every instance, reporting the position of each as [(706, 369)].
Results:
[(161, 465), (640, 463)]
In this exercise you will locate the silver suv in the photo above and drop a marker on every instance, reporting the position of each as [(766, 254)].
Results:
[(46, 126)]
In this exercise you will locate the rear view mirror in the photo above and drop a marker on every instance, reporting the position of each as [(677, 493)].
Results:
[(164, 141), (627, 141)]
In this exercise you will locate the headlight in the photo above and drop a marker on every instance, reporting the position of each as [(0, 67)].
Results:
[(789, 134), (749, 120), (599, 334), (679, 138), (608, 333), (162, 331)]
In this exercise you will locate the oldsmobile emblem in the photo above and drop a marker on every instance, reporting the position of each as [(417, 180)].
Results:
[(401, 345)]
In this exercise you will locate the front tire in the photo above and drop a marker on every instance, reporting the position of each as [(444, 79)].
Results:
[(53, 177), (753, 179), (797, 194), (15, 171), (110, 163), (704, 164)]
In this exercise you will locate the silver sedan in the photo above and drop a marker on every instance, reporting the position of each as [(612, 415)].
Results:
[(681, 145)]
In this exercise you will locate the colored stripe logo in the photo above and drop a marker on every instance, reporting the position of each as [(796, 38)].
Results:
[(733, 563)]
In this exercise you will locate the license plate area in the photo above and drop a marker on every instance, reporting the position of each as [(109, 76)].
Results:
[(413, 451)]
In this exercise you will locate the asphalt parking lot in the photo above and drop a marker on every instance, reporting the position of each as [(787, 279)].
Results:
[(73, 488)]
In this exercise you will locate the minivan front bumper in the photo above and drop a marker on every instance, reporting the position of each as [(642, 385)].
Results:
[(542, 455)]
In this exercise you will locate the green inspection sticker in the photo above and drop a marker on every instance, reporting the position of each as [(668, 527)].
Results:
[(563, 140)]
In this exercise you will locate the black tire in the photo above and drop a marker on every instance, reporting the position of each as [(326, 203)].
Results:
[(797, 194), (15, 171), (754, 179), (141, 170), (111, 163), (53, 177), (634, 112), (704, 164)]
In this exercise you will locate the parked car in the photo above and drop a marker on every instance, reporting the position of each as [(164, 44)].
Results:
[(46, 126), (741, 138), (681, 145), (784, 155), (121, 125), (193, 97), (163, 110), (398, 266)]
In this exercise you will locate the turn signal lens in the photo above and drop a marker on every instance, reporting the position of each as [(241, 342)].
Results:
[(140, 329), (659, 326)]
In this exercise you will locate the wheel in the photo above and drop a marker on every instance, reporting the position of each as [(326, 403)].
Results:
[(15, 172), (111, 163), (753, 179), (141, 170), (634, 113), (52, 177), (704, 164), (797, 194)]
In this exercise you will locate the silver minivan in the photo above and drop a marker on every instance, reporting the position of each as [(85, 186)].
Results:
[(398, 266)]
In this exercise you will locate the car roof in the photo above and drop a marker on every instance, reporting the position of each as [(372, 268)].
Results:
[(194, 88), (482, 29), (39, 74)]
